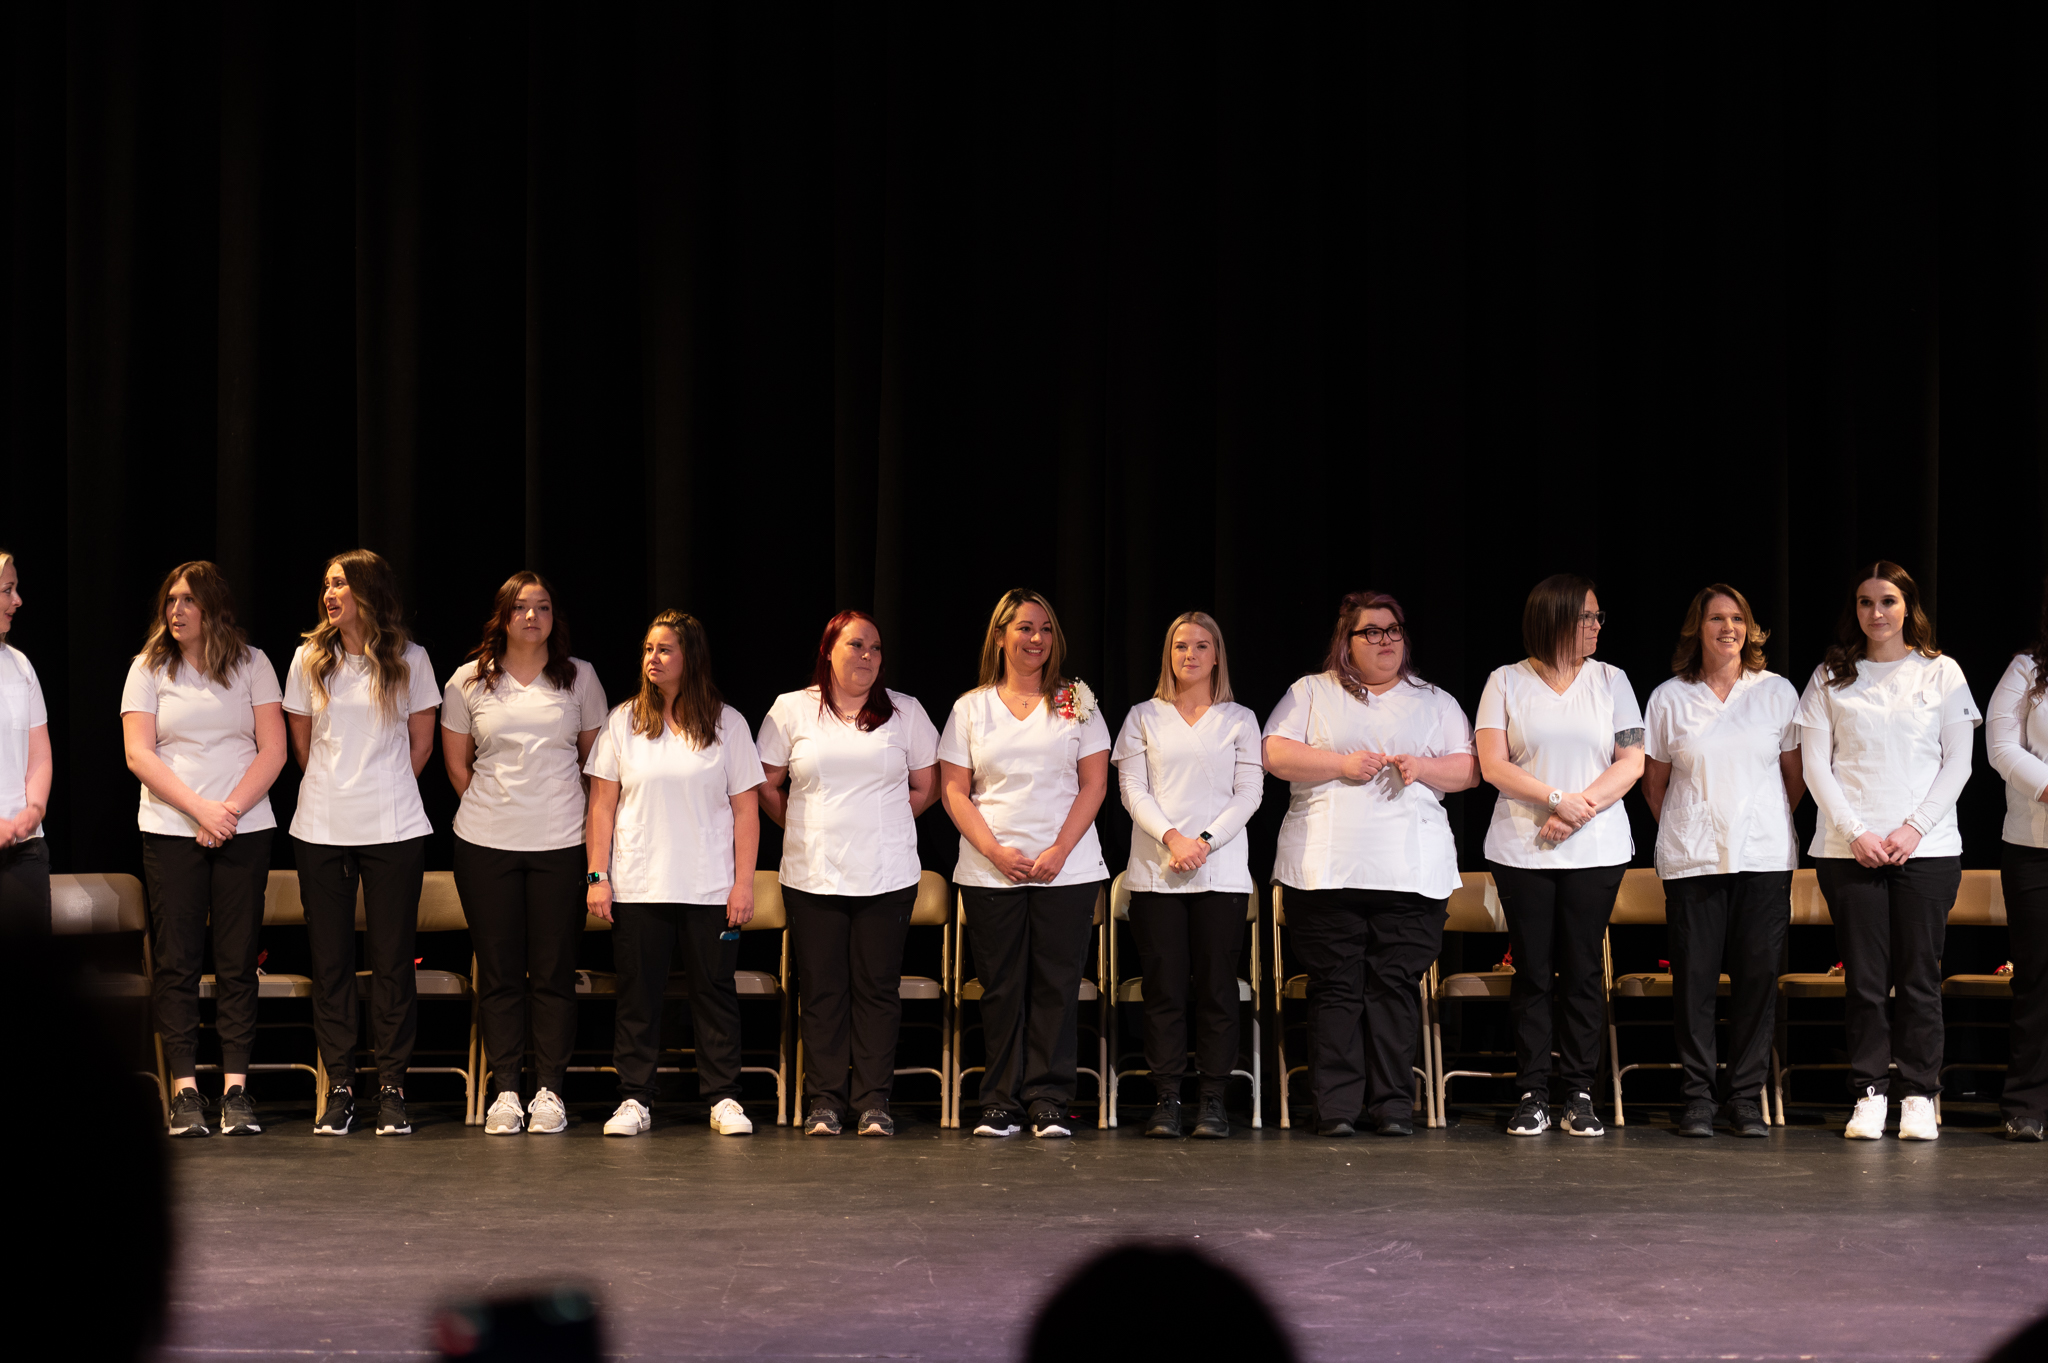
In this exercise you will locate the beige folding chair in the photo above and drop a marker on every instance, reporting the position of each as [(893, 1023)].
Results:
[(440, 911), (1809, 909), (1132, 990), (95, 905), (1980, 903), (1474, 907)]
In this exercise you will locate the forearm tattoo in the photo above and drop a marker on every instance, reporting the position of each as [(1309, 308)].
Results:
[(1629, 738)]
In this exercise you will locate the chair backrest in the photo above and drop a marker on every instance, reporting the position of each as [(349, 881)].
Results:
[(770, 915), (440, 905), (282, 907), (1475, 905), (90, 903), (1809, 905), (934, 901), (1980, 901), (1640, 898)]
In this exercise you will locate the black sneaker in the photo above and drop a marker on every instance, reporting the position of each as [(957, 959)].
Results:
[(337, 1114), (1214, 1123), (188, 1114), (1165, 1121), (238, 1114), (823, 1121), (1532, 1116), (1395, 1124), (1335, 1126), (1746, 1115), (1579, 1117), (2023, 1129), (999, 1121), (391, 1119), (876, 1121), (1698, 1121), (1050, 1124)]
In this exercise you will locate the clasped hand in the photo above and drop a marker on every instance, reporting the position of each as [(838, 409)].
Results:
[(1185, 854), (1895, 849), (1024, 869), (1573, 812), (1363, 766)]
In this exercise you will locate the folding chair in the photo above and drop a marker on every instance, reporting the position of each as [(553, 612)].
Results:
[(1640, 901), (1980, 903), (440, 911), (1809, 909), (1474, 908), (93, 905)]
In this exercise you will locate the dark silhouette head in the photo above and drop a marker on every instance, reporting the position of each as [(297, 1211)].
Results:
[(1099, 1312)]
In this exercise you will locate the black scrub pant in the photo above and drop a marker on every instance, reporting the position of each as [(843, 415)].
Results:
[(1030, 946), (2024, 877), (849, 962), (1556, 922), (525, 912), (1890, 924), (25, 889), (1365, 952), (644, 942), (189, 887), (391, 874), (1741, 919), (1183, 940)]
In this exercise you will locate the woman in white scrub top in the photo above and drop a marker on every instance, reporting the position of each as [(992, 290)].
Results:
[(2016, 740), (359, 701), (25, 770), (1722, 779), (1366, 856), (1023, 767), (1561, 738), (862, 763), (1187, 764), (1885, 738), (517, 721)]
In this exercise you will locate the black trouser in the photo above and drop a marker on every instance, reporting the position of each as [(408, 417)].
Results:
[(1030, 946), (644, 941), (391, 874), (1556, 923), (190, 886), (849, 961), (25, 889), (1738, 918), (2024, 877), (525, 912), (1365, 952), (1183, 939), (1889, 926)]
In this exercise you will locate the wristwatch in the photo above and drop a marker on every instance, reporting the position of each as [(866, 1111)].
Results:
[(1206, 838), (595, 877), (1556, 796)]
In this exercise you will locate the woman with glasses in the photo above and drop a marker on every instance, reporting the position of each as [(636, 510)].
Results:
[(1561, 738), (1366, 856)]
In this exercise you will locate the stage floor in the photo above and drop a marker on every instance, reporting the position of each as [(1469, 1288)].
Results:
[(1458, 1243)]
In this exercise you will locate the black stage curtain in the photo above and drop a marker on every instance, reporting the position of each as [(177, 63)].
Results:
[(763, 311)]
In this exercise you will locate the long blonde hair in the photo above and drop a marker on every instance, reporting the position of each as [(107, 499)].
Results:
[(993, 666), (384, 638), (225, 644), (1219, 680)]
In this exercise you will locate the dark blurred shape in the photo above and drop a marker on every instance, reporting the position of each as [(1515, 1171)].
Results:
[(1112, 1305), (2030, 1345), (557, 1324)]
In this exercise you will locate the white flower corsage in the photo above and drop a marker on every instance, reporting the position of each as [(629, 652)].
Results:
[(1074, 701)]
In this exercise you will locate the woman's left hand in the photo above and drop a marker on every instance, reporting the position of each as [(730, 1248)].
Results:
[(1187, 854), (739, 903), (1046, 867), (1902, 842)]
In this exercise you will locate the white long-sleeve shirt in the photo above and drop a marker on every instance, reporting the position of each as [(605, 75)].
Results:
[(2016, 738), (1196, 778), (1892, 748)]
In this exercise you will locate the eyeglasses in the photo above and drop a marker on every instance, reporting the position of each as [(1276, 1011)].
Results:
[(1592, 617), (1373, 634)]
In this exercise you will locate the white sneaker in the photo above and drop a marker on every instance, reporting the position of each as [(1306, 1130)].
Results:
[(1916, 1120), (506, 1117), (631, 1119), (545, 1115), (730, 1119), (1867, 1123)]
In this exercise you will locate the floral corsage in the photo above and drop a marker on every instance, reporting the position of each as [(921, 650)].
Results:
[(1074, 701)]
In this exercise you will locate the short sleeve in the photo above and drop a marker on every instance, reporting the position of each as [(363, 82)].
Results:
[(1094, 736), (1657, 726), (455, 700), (1789, 739), (1493, 702), (1454, 734), (920, 739), (298, 700), (1290, 717), (604, 754), (589, 698), (1813, 710), (262, 678), (1130, 739), (777, 735), (1628, 712), (1957, 705), (742, 765), (956, 740), (138, 693), (425, 695)]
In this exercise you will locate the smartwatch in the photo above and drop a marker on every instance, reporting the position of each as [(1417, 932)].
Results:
[(1556, 796), (595, 877), (1206, 837)]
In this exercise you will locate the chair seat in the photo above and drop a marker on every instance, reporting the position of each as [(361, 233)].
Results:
[(1977, 987), (1810, 986), (971, 990), (748, 984), (1133, 991), (1650, 985), (268, 986), (118, 986), (1477, 984), (920, 987), (429, 984)]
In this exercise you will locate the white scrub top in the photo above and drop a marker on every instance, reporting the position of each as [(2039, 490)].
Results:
[(1565, 742), (1026, 774), (525, 790), (2016, 740), (359, 787), (206, 735), (672, 841), (1725, 810), (848, 827), (21, 709), (1197, 778), (1882, 736)]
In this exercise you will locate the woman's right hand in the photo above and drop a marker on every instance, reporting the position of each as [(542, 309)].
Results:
[(216, 822), (598, 899), (1575, 809), (1013, 863), (1870, 851), (1555, 830), (1363, 765), (1187, 854)]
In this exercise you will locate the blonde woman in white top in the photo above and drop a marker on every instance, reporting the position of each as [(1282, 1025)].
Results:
[(1187, 765), (2016, 740), (1367, 856), (25, 770), (1722, 778), (1885, 736)]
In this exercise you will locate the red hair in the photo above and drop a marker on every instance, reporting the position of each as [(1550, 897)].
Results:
[(877, 709)]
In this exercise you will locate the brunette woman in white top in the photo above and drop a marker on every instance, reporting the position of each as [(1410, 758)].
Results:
[(517, 722), (1722, 778), (2016, 739), (1367, 856), (1885, 724), (674, 828), (1561, 738), (359, 701), (203, 723), (25, 770), (1023, 767), (862, 763), (1187, 764)]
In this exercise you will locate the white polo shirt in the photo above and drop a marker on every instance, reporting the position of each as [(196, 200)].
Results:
[(21, 709), (1725, 810), (1198, 778), (526, 787), (1881, 737), (206, 735), (2016, 740), (1377, 834), (359, 788), (1026, 775), (849, 830), (1565, 742), (672, 841)]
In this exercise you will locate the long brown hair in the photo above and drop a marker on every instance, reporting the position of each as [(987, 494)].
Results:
[(224, 644), (1550, 617), (993, 666), (371, 583), (877, 708), (2038, 651), (698, 704), (490, 654), (1338, 659), (1219, 679), (1689, 660), (1843, 655)]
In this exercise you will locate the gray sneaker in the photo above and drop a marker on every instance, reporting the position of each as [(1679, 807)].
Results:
[(238, 1114), (506, 1117), (545, 1115), (876, 1121)]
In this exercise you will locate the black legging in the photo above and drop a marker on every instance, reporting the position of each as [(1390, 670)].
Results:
[(192, 888), (2024, 877), (1556, 922)]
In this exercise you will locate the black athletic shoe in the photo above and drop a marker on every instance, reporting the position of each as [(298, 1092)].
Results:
[(338, 1114), (1335, 1126), (1164, 1123), (1398, 1124), (391, 1119), (823, 1121), (1214, 1123), (1579, 1117), (1746, 1115), (1532, 1116), (999, 1121), (188, 1114), (238, 1114), (2023, 1129), (1050, 1124), (876, 1121), (1698, 1120)]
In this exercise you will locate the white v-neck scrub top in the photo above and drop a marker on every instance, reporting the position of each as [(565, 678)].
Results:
[(1725, 810), (848, 826), (672, 840), (1026, 775), (525, 789), (21, 709), (359, 788), (2016, 741), (1198, 778), (206, 735), (1880, 737), (1564, 741)]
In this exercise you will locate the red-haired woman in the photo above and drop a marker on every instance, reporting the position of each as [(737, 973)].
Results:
[(517, 721), (25, 769), (1885, 739), (862, 763)]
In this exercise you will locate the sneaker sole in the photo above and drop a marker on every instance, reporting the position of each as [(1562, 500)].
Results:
[(394, 1131), (734, 1130), (875, 1131), (330, 1130), (614, 1131), (183, 1132), (503, 1130), (1906, 1137), (1571, 1130), (820, 1131), (997, 1131), (246, 1129), (1201, 1135), (1863, 1135), (1535, 1131), (1152, 1134), (1051, 1133), (554, 1130)]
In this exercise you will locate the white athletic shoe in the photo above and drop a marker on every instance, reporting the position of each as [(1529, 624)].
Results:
[(1916, 1120), (545, 1115), (505, 1118), (631, 1119), (730, 1119), (1867, 1123)]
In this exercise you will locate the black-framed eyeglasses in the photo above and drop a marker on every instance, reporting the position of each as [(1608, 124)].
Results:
[(1592, 617), (1374, 634)]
